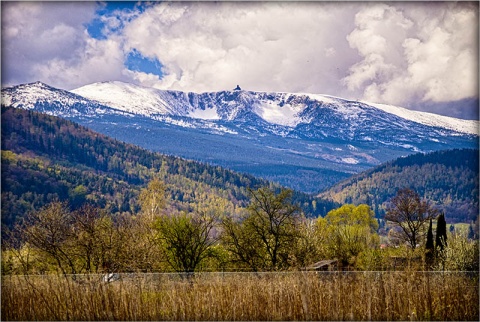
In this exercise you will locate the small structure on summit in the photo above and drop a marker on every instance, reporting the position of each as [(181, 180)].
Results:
[(237, 88)]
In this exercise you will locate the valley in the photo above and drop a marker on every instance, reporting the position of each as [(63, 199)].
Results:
[(240, 161), (79, 207)]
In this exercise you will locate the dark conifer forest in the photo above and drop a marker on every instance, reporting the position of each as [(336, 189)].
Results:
[(45, 158), (448, 179)]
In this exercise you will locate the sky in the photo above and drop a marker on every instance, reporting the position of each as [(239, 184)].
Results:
[(418, 55)]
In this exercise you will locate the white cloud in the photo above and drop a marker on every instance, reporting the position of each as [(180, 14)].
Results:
[(445, 60), (98, 60), (261, 46), (145, 79), (48, 41), (413, 53), (33, 34), (394, 53)]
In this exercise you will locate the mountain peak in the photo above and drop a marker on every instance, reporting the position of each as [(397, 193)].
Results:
[(279, 108), (293, 133), (39, 85)]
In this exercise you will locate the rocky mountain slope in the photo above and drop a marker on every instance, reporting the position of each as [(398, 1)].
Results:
[(287, 109), (304, 141)]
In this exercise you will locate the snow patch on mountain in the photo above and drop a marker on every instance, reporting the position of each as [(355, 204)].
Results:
[(287, 110), (458, 125), (204, 114), (271, 112), (350, 161), (40, 96), (133, 98), (327, 99), (26, 96), (276, 108)]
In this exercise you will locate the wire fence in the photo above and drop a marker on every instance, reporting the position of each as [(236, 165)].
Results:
[(196, 276)]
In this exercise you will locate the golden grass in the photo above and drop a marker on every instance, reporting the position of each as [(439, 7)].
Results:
[(245, 296)]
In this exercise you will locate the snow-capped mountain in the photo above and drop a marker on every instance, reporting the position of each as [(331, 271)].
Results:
[(44, 98), (277, 108), (305, 141)]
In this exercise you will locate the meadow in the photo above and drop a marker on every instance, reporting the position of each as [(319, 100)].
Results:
[(389, 295)]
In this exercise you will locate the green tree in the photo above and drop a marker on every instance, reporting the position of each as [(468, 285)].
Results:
[(308, 247), (429, 247), (273, 219), (452, 229), (265, 236), (441, 237), (471, 232), (187, 239), (78, 196), (350, 230), (410, 214), (461, 254), (246, 248)]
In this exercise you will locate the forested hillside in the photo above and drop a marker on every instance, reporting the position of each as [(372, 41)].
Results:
[(448, 179), (45, 158)]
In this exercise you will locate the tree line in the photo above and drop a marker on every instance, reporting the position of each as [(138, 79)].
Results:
[(270, 234)]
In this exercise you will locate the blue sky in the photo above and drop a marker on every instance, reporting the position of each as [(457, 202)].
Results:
[(110, 8), (419, 55), (134, 60), (137, 62)]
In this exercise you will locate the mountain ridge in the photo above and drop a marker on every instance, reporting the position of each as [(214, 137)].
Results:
[(304, 142), (110, 94), (448, 179), (47, 158), (107, 94)]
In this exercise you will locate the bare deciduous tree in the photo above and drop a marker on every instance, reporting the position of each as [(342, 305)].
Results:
[(408, 212), (50, 230)]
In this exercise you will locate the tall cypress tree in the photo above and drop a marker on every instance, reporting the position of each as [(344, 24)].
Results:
[(471, 232), (430, 247), (441, 238)]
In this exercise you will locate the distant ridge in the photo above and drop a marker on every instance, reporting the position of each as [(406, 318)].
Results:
[(307, 142), (147, 101), (448, 179), (45, 158)]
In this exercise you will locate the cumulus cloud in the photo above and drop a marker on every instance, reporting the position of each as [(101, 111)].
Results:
[(402, 53), (262, 46), (415, 54), (98, 60), (48, 41)]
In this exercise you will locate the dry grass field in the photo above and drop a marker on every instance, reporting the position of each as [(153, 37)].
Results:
[(245, 296)]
